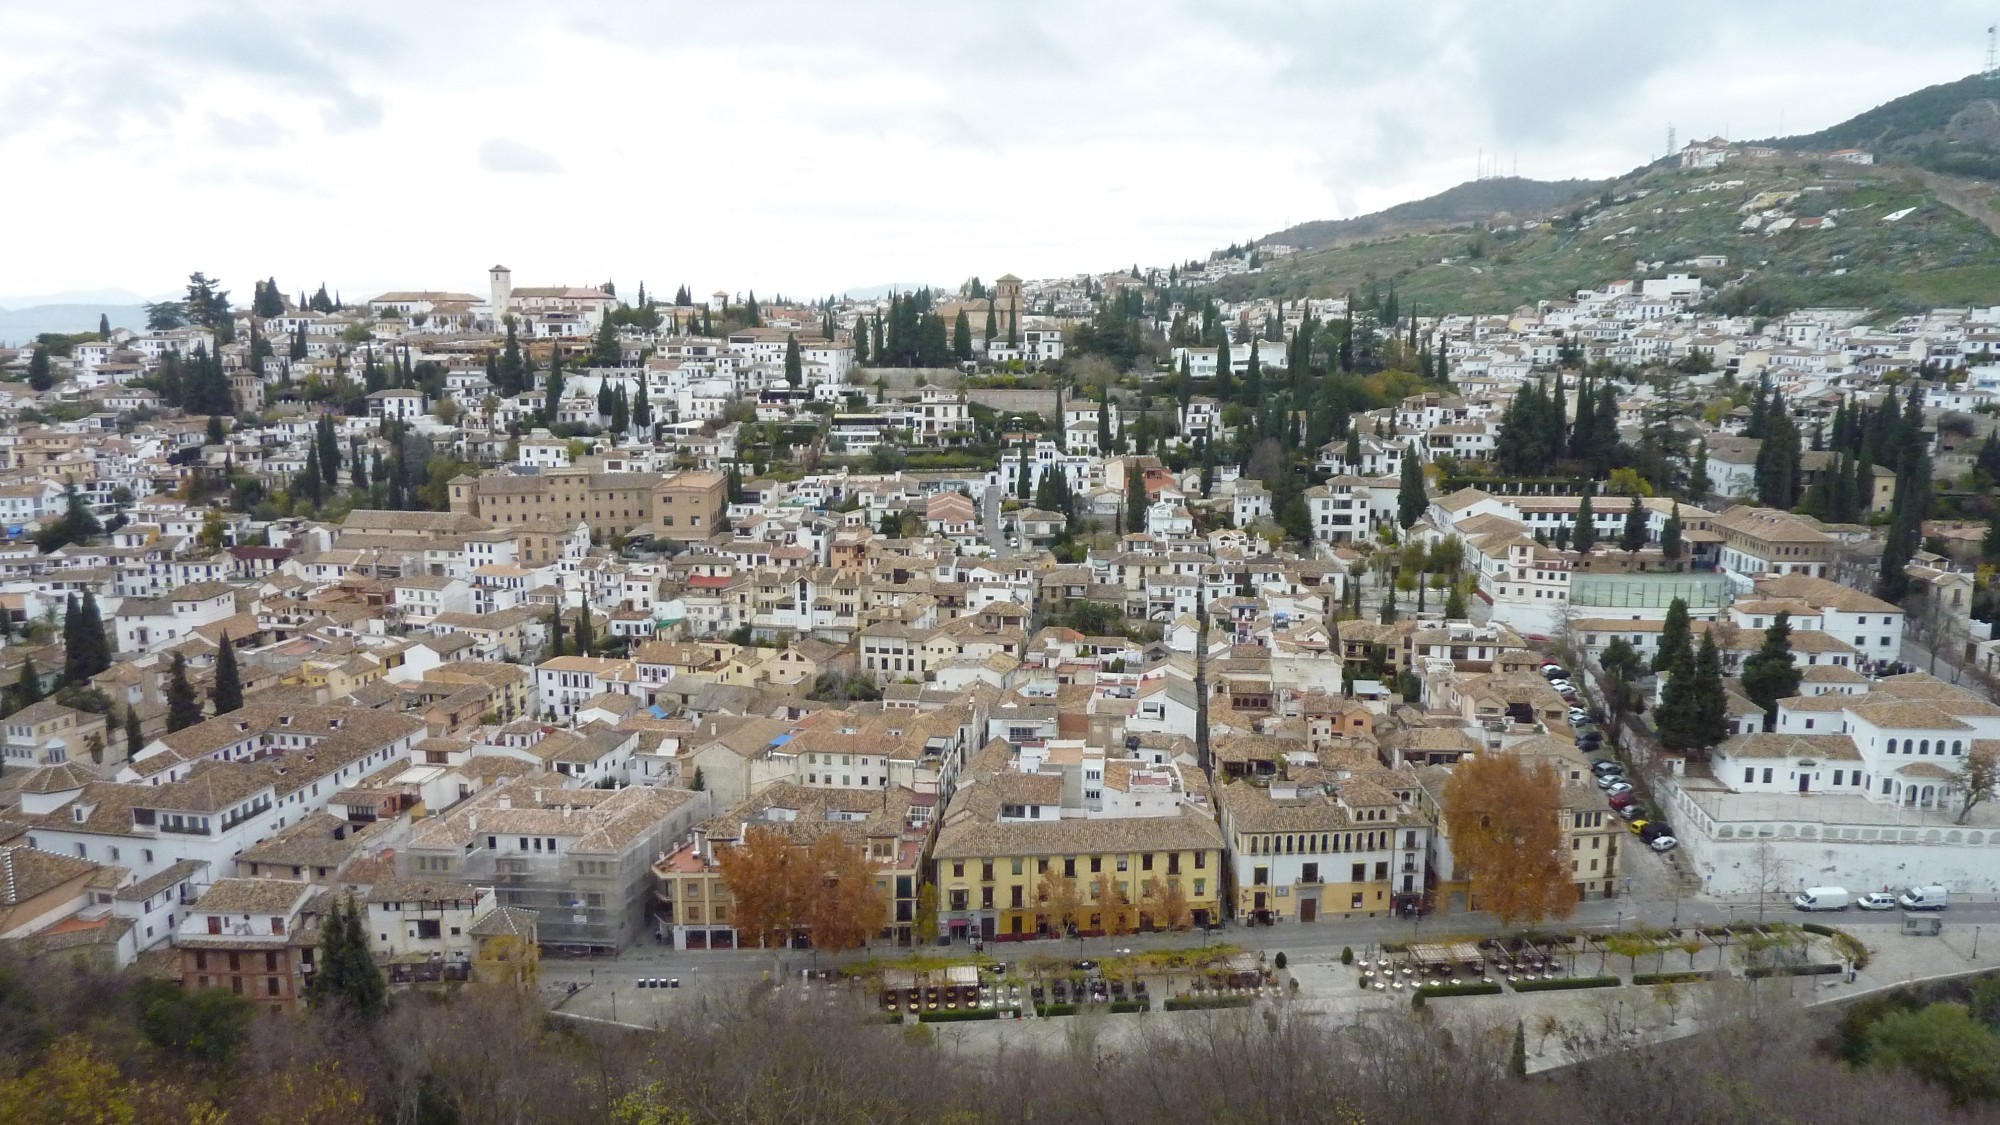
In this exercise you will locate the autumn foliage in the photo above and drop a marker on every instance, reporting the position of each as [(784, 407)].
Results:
[(1504, 818), (778, 888)]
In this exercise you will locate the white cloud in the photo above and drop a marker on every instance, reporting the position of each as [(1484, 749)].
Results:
[(504, 156), (803, 147)]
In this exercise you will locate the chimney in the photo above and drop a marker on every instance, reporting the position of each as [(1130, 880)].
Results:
[(506, 802)]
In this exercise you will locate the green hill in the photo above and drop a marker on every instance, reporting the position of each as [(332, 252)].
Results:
[(1478, 201), (1953, 128), (1933, 255)]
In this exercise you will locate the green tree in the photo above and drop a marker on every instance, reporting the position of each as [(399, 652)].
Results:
[(1585, 536), (228, 693), (204, 1025), (584, 640), (555, 631), (1676, 638), (1634, 536), (642, 409), (1135, 498), (961, 338), (27, 689), (794, 365), (1670, 536), (1944, 1044), (40, 377), (135, 737), (1693, 715), (1770, 674), (183, 705), (552, 404), (346, 978), (604, 350), (1411, 497)]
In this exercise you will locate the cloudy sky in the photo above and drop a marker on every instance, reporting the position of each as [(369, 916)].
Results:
[(805, 147)]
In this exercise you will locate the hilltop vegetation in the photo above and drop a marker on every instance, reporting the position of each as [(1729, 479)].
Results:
[(1953, 128), (1478, 201), (1933, 255)]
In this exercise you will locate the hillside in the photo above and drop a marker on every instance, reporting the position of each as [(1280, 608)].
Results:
[(1932, 255), (1952, 128), (18, 326), (1475, 202)]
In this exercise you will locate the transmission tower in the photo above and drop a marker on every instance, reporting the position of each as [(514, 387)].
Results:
[(1671, 137), (1992, 69)]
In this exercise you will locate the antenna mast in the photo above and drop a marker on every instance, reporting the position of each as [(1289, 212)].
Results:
[(1671, 147), (1992, 69)]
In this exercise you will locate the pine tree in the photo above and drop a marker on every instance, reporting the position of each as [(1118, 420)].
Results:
[(1770, 674), (327, 443), (1711, 700), (76, 653), (360, 474), (103, 326), (642, 409), (584, 640), (183, 705), (1411, 496), (27, 690), (992, 324), (552, 397), (556, 631), (1634, 536), (228, 694), (1224, 373), (1023, 485), (1676, 637), (346, 978), (961, 338), (40, 377), (604, 350), (1585, 536), (92, 636)]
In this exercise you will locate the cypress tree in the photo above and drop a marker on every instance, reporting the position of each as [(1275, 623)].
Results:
[(1023, 486), (961, 338), (135, 738), (1711, 701), (75, 649), (92, 636), (1770, 674), (183, 705), (1411, 496), (28, 688), (1135, 498), (40, 376), (1670, 535), (642, 408), (556, 631), (1634, 536), (584, 640), (228, 694), (1224, 372), (794, 365), (1676, 637), (346, 978), (1585, 536)]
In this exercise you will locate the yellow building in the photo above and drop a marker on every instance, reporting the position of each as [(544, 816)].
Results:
[(1025, 854), (1299, 852)]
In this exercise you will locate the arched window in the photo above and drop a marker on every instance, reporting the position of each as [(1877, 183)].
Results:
[(1924, 747)]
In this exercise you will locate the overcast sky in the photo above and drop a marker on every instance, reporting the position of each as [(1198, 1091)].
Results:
[(804, 146)]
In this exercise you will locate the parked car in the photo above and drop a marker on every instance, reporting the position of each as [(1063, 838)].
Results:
[(1554, 671), (1664, 844), (1589, 740), (1578, 715), (1930, 897), (1638, 827), (1605, 765), (1624, 801), (1632, 810), (1876, 900), (1607, 780), (1823, 898), (1652, 830), (1617, 786), (1561, 684)]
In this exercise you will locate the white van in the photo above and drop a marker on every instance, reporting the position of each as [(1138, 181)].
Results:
[(1823, 898), (1933, 897)]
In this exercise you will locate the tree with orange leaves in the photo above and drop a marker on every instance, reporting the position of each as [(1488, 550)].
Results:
[(1062, 903), (844, 906), (1504, 820), (1172, 912), (764, 879)]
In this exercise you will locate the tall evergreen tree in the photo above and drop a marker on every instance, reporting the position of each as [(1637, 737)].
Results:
[(1670, 536), (1676, 638), (961, 338), (794, 365), (76, 650), (1770, 674), (1411, 496), (1023, 482), (1585, 536), (346, 979), (183, 705), (135, 737), (92, 635), (585, 641), (1778, 463), (327, 443), (1711, 699), (1634, 536), (642, 409), (605, 350), (552, 396), (40, 376), (228, 694)]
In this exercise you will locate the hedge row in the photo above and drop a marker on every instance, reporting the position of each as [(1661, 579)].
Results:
[(958, 1017), (1566, 982), (1188, 1004), (1055, 1009), (1677, 978), (1128, 1005), (1816, 928), (1472, 988), (1793, 971)]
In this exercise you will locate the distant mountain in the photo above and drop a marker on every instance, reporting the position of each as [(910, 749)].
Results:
[(1952, 128), (1475, 202), (18, 326)]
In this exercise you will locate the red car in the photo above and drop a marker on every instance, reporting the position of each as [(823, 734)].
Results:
[(1620, 800)]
